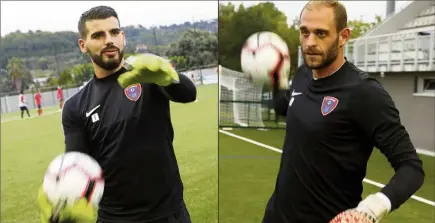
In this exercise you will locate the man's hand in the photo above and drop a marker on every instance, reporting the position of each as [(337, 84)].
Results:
[(148, 68), (353, 216), (81, 212), (370, 210), (280, 81)]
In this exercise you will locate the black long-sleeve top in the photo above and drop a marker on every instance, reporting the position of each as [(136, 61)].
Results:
[(129, 132), (333, 124)]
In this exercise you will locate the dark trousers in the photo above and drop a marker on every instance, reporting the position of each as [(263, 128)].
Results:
[(181, 216), (24, 108)]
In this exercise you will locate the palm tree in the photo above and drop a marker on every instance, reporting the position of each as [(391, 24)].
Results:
[(16, 70)]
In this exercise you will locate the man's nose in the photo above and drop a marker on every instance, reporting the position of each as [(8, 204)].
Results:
[(311, 41), (109, 40)]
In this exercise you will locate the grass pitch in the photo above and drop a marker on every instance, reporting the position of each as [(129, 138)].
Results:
[(247, 176)]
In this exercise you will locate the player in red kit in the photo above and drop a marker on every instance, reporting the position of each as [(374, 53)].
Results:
[(38, 100), (60, 96)]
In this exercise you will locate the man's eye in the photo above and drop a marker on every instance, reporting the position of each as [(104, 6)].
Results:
[(321, 33)]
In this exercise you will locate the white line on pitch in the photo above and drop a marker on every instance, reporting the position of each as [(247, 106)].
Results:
[(423, 200), (251, 141), (419, 151), (425, 152)]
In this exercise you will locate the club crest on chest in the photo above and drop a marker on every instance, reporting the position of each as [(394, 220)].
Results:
[(133, 92), (328, 105)]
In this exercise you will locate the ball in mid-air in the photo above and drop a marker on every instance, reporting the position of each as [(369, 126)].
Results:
[(72, 176), (263, 55)]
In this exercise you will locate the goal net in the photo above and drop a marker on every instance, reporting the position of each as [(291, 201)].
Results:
[(242, 104)]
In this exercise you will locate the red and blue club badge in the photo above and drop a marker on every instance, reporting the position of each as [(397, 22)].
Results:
[(133, 92), (328, 105)]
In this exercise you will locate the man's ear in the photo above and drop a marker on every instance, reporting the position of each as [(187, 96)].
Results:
[(123, 36), (82, 46), (344, 36)]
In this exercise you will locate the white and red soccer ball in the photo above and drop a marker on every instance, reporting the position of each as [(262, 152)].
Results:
[(263, 54), (72, 176)]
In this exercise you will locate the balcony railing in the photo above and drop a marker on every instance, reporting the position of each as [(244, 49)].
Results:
[(396, 52)]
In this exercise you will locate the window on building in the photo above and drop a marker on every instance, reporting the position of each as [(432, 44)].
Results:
[(425, 86), (429, 84)]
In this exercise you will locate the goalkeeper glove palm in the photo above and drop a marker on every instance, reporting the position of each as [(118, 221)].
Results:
[(371, 210), (81, 212), (148, 68)]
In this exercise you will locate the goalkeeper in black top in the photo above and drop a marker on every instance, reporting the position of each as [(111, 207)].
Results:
[(336, 114), (121, 117)]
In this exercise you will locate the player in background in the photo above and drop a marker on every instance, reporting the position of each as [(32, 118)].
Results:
[(192, 77), (121, 118), (336, 114), (60, 96), (38, 102), (23, 105)]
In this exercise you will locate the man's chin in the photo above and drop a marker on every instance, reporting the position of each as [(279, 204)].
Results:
[(111, 58), (312, 65), (110, 65), (113, 66)]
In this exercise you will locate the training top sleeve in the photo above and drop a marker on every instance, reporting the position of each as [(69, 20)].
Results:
[(281, 98), (374, 111), (73, 129), (183, 92)]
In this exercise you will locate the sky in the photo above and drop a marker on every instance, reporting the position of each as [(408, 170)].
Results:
[(64, 15), (365, 10)]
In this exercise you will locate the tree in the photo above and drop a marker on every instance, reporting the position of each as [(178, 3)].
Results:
[(197, 47), (65, 77), (42, 63), (20, 76), (53, 51), (82, 73), (6, 85), (180, 62), (52, 81), (359, 27)]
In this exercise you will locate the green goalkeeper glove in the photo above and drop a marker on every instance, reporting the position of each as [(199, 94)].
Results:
[(148, 68), (81, 212)]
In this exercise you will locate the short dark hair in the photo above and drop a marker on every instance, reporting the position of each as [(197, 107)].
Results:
[(98, 12), (340, 14)]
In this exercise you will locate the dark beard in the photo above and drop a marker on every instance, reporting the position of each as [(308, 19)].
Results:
[(110, 65), (331, 55)]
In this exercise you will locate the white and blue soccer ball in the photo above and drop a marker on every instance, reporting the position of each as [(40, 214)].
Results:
[(72, 176), (263, 54)]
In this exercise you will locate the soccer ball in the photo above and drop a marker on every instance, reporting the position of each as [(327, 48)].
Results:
[(263, 55), (71, 176)]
